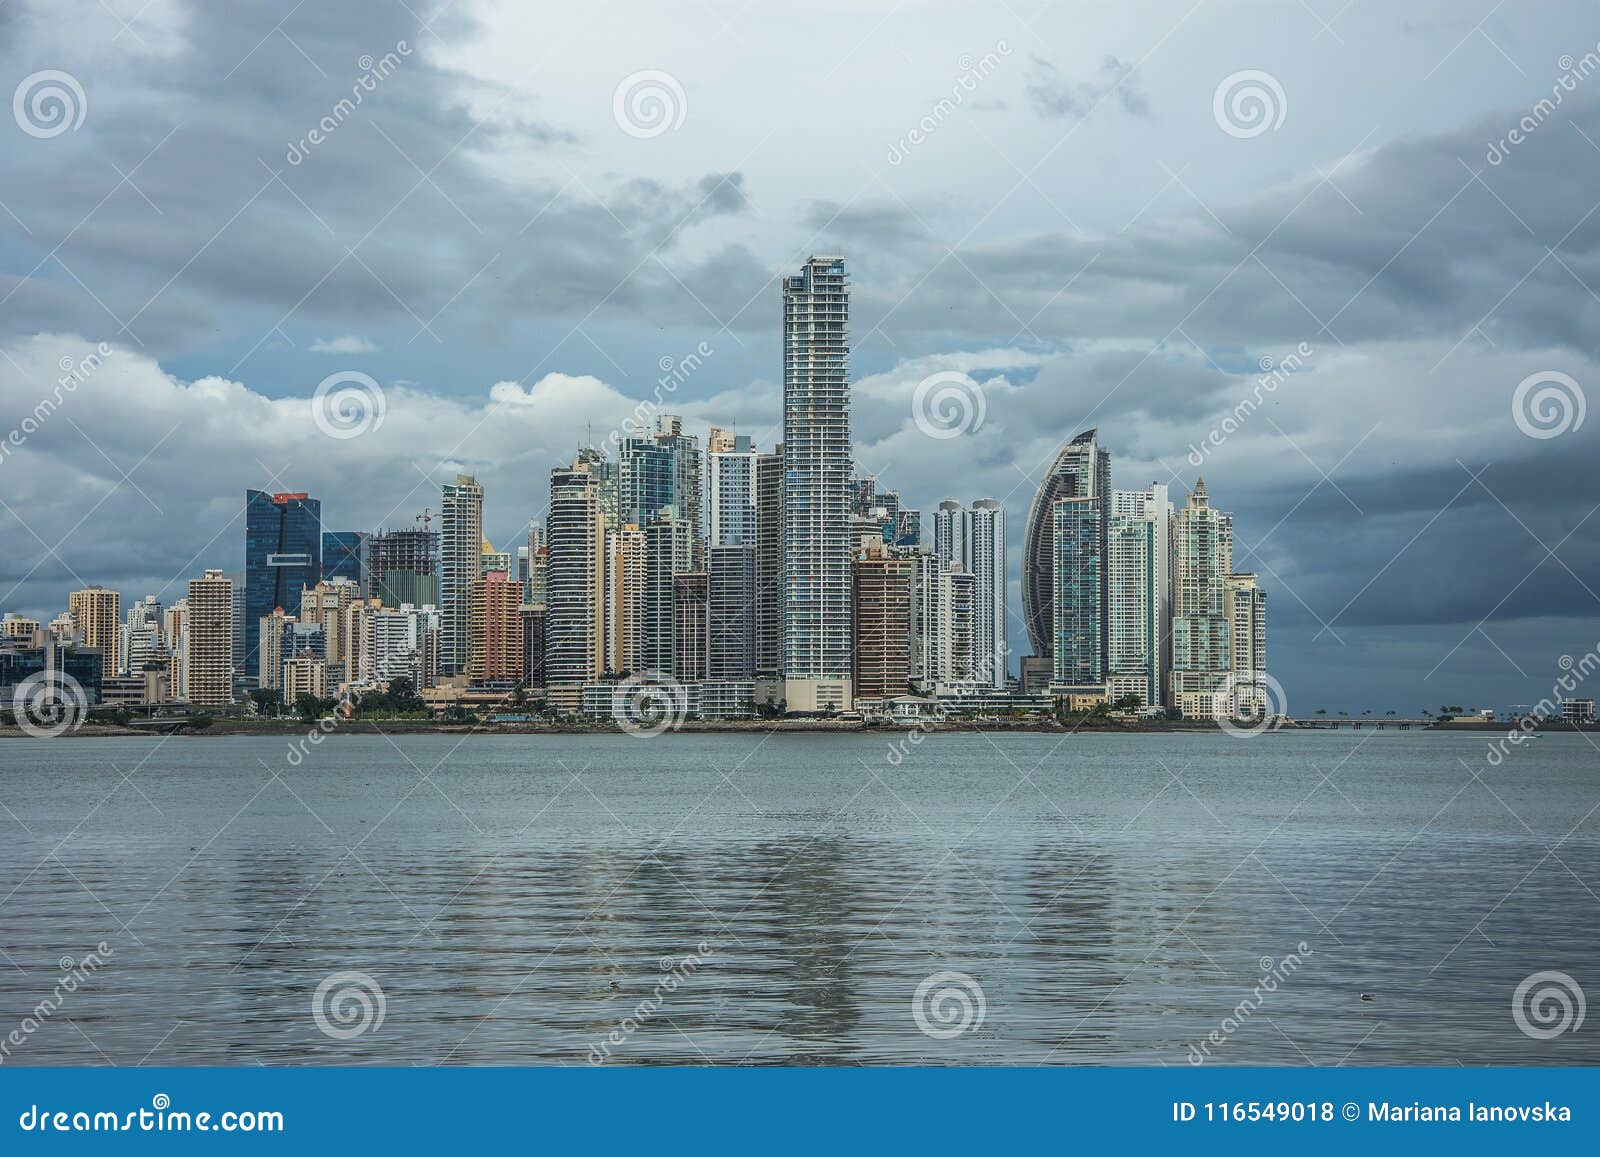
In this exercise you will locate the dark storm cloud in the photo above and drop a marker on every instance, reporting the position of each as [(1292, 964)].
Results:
[(880, 226), (1418, 239), (231, 202)]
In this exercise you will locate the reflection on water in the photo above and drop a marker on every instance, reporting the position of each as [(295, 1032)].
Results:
[(1114, 898)]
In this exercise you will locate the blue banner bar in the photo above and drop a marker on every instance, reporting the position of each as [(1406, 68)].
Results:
[(810, 1111)]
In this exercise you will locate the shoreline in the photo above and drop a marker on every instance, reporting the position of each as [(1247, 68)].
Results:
[(292, 728)]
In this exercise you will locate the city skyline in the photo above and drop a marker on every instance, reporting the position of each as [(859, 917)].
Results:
[(745, 580), (1085, 233)]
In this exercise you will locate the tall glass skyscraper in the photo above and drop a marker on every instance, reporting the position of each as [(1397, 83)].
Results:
[(1078, 539), (1081, 470), (344, 556), (816, 492), (658, 470), (282, 557)]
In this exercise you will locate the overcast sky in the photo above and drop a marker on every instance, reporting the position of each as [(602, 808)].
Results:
[(1085, 208)]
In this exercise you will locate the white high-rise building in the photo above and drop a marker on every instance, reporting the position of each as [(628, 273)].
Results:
[(1139, 595), (460, 562), (816, 498), (143, 639), (391, 644), (941, 650), (975, 540), (731, 504), (983, 545), (948, 525), (1244, 605)]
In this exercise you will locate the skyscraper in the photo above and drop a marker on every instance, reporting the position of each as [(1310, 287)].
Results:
[(731, 649), (403, 566), (1244, 605), (668, 551), (690, 606), (208, 636), (282, 557), (1081, 470), (975, 540), (658, 470), (344, 555), (460, 561), (881, 590), (1139, 597), (575, 583), (768, 622), (940, 638), (143, 638), (732, 492), (983, 543), (269, 651), (817, 473), (98, 615), (494, 649), (326, 605), (1202, 559), (1078, 542), (625, 599), (948, 525)]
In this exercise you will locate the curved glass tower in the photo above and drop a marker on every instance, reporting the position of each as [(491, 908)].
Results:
[(1081, 470)]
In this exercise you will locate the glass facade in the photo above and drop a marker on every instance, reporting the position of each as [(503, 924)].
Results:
[(1081, 470), (282, 557), (1078, 542), (344, 556)]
